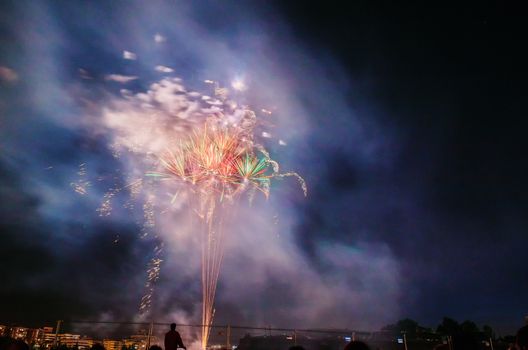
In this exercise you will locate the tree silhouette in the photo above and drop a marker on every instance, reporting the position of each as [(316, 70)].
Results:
[(488, 332), (448, 327), (469, 327)]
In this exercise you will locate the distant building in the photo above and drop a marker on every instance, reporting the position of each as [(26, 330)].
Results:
[(139, 341), (20, 333), (110, 344), (75, 340), (34, 336), (48, 330), (46, 338), (136, 342)]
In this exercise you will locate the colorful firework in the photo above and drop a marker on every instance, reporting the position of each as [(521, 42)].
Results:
[(215, 162), (204, 149), (218, 162)]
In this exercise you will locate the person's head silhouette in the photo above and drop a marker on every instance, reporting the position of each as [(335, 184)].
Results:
[(173, 326), (296, 347), (12, 344), (97, 346), (356, 345)]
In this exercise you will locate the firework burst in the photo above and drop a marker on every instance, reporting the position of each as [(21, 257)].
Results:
[(218, 163), (199, 148)]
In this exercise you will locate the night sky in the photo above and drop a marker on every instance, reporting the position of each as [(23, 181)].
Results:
[(407, 122)]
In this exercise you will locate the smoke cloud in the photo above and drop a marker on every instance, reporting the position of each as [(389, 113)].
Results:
[(281, 267)]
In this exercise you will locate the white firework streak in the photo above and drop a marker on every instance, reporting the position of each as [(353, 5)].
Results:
[(82, 184)]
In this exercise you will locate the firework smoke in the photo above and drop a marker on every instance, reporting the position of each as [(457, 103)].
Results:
[(303, 119), (211, 157)]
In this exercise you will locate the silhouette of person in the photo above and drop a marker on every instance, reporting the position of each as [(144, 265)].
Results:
[(512, 346), (441, 347), (12, 344), (522, 336), (173, 339), (97, 346), (356, 345), (296, 347), (465, 341)]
